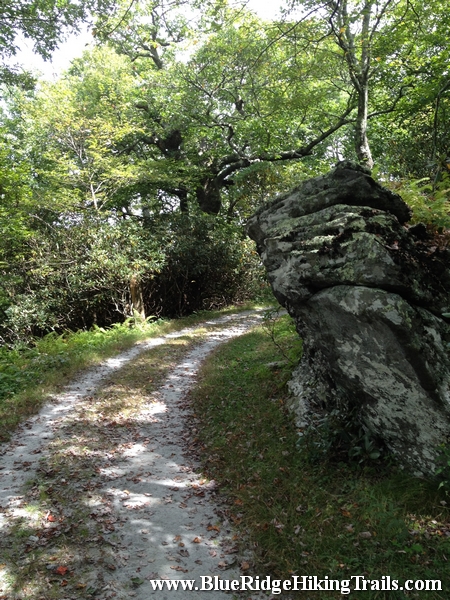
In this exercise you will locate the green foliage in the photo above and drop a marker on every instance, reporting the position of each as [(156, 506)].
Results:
[(45, 22), (430, 204), (339, 436), (283, 336), (103, 171), (76, 274), (443, 470), (208, 264), (78, 271)]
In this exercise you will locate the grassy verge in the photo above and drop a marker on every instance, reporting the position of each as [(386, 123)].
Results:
[(306, 515), (28, 375)]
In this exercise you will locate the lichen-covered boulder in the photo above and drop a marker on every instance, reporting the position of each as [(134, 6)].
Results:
[(367, 295)]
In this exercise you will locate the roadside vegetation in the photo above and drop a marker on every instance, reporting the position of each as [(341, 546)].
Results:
[(309, 508)]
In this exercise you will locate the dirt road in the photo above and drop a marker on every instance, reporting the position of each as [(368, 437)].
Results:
[(98, 494)]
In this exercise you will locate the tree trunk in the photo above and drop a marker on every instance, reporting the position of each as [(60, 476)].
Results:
[(209, 197), (137, 297), (362, 146)]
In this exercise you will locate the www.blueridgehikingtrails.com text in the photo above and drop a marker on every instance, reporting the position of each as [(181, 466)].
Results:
[(304, 583)]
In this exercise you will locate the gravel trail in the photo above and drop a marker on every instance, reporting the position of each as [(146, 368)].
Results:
[(153, 516)]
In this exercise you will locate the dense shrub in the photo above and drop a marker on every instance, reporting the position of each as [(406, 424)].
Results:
[(75, 271), (208, 264)]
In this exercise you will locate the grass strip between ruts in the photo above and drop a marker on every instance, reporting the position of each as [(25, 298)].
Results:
[(29, 374)]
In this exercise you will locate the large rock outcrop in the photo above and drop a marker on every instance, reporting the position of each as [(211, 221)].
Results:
[(367, 295)]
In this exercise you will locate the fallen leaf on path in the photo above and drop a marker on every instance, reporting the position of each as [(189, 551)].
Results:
[(61, 570), (213, 528), (245, 565), (197, 540)]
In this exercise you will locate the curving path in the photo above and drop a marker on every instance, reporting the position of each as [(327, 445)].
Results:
[(151, 515)]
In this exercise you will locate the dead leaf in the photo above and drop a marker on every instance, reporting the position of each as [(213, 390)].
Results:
[(51, 518), (180, 569), (245, 565), (213, 528), (61, 570), (365, 535), (197, 540), (177, 538)]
